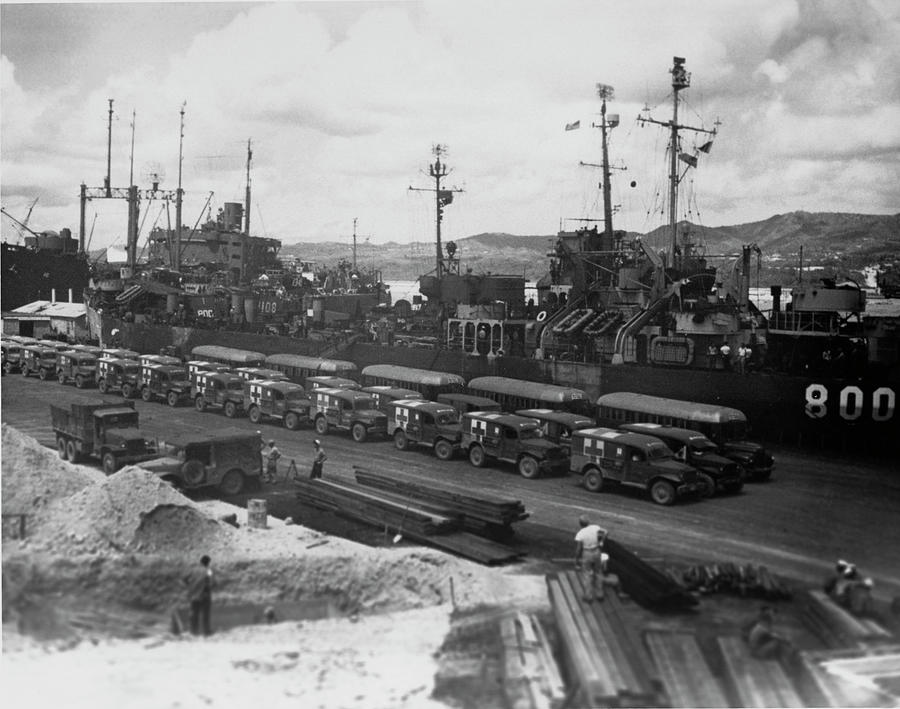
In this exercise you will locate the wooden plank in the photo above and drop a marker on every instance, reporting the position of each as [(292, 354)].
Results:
[(757, 683), (686, 676)]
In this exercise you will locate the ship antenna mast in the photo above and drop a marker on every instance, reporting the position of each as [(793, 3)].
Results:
[(108, 181), (604, 92), (681, 79), (247, 196), (179, 194)]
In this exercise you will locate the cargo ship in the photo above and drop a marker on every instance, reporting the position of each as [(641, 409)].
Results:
[(614, 314)]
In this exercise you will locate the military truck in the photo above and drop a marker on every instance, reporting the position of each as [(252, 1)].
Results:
[(285, 401), (229, 460), (164, 381), (718, 473), (511, 439), (604, 456), (558, 426), (347, 410), (39, 360), (218, 390), (12, 355), (80, 367), (123, 375), (424, 423), (102, 430)]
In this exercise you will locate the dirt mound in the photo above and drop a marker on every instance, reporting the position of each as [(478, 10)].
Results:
[(34, 476), (129, 511)]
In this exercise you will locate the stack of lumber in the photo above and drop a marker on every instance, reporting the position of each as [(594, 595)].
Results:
[(852, 677), (740, 579), (685, 674), (756, 683), (836, 626), (605, 657), (402, 515), (644, 582), (481, 509), (531, 676)]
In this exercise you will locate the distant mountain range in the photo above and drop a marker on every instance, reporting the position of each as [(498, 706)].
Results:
[(841, 244)]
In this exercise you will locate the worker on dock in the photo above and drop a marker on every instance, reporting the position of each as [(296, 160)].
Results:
[(589, 557), (200, 596), (318, 460), (271, 454), (764, 642)]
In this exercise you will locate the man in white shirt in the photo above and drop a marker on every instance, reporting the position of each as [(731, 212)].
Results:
[(589, 557)]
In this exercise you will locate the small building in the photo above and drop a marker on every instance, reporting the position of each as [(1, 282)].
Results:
[(46, 318)]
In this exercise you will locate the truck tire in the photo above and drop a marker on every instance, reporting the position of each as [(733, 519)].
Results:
[(200, 403), (79, 381), (593, 480), (61, 377), (254, 414), (146, 394), (321, 425), (61, 447), (401, 442), (359, 432), (707, 485), (128, 391), (662, 492), (443, 449), (291, 421), (230, 409), (172, 398), (529, 468), (103, 386), (110, 464), (71, 451), (232, 482), (24, 371), (477, 456), (43, 374), (193, 472), (7, 367)]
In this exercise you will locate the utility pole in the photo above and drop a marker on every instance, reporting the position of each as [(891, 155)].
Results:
[(681, 79), (443, 197)]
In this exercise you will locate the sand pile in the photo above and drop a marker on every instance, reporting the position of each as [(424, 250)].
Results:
[(132, 510), (34, 476)]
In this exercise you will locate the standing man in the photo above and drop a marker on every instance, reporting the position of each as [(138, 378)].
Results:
[(725, 351), (200, 596), (271, 454), (589, 557), (318, 460)]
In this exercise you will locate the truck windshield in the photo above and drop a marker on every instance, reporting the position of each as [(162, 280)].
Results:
[(363, 404), (235, 386), (658, 451), (87, 362), (529, 433), (296, 395), (446, 417)]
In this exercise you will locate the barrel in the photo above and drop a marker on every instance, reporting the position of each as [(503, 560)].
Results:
[(257, 517)]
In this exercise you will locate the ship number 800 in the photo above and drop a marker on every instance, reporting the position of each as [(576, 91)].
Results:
[(851, 403)]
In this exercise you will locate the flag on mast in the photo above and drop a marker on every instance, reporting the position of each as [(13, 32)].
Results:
[(573, 126)]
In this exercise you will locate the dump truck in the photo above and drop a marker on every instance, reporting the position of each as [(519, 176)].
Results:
[(100, 430)]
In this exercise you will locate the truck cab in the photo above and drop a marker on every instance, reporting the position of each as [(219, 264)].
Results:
[(282, 400), (464, 403), (558, 426), (718, 474), (347, 410), (603, 456), (384, 395), (424, 423), (12, 355), (219, 390), (164, 381), (121, 374), (229, 460), (331, 382), (80, 367), (511, 439), (39, 360)]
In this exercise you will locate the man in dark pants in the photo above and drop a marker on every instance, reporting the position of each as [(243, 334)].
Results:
[(589, 557), (318, 460), (200, 594)]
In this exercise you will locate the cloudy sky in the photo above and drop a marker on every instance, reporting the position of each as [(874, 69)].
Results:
[(343, 102)]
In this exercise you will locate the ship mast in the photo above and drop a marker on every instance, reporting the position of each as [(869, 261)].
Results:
[(247, 194), (443, 197), (604, 92), (681, 79)]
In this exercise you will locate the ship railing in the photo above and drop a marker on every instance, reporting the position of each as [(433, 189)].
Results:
[(805, 323)]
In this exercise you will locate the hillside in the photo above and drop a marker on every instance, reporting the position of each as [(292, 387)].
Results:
[(843, 244)]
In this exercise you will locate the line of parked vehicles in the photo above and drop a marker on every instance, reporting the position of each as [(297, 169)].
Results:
[(667, 448)]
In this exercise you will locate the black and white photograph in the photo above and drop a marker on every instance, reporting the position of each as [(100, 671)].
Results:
[(450, 354)]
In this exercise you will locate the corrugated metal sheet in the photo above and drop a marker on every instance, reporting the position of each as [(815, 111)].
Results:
[(46, 308)]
